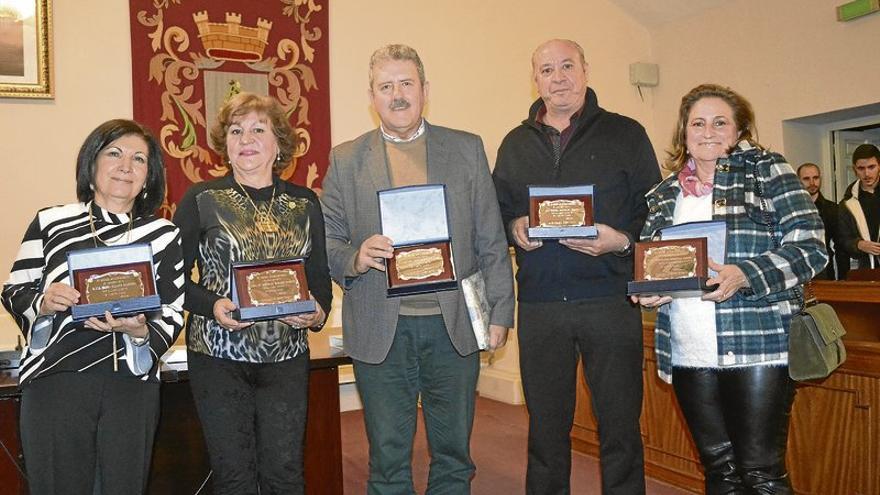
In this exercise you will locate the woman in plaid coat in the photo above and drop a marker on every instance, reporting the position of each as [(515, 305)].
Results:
[(726, 353)]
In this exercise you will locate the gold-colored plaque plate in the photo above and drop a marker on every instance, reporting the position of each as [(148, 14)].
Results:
[(419, 264), (113, 286), (561, 213), (273, 287), (669, 262)]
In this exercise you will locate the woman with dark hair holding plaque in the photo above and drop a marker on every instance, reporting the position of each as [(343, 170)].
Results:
[(726, 352), (90, 388), (250, 378)]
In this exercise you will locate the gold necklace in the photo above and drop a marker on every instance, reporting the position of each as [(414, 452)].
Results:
[(97, 238), (264, 220)]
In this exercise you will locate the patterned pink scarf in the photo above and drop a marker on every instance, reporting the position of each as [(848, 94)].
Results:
[(690, 183)]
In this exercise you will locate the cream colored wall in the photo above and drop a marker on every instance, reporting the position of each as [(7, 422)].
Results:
[(476, 56), (790, 58)]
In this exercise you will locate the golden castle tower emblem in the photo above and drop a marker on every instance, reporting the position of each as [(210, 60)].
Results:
[(230, 40)]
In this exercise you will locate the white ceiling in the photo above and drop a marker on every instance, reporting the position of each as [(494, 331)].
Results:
[(652, 13)]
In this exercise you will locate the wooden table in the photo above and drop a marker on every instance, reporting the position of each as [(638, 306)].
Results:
[(180, 462)]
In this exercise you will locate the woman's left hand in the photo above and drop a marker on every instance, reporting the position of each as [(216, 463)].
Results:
[(134, 326), (729, 278), (305, 320)]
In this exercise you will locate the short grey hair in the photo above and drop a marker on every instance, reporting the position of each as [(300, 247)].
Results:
[(397, 52), (571, 43)]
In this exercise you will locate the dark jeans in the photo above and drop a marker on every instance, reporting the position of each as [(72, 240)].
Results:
[(738, 419), (421, 362), (85, 433), (254, 419), (607, 334)]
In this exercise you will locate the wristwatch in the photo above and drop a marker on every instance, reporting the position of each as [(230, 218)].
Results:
[(627, 249)]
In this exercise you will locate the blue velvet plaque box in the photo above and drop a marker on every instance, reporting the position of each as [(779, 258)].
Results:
[(416, 220), (712, 236), (270, 289), (560, 212)]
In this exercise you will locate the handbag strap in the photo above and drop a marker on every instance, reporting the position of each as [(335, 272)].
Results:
[(808, 298)]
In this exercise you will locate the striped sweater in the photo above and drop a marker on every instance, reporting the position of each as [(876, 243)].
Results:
[(57, 344)]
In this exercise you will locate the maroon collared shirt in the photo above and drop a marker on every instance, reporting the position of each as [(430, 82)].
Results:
[(558, 140)]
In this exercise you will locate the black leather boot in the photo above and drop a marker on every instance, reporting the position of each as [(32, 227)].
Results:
[(757, 403), (719, 466), (698, 391)]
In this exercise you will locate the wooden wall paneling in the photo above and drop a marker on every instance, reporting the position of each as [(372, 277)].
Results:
[(833, 438), (669, 452), (323, 442), (12, 481)]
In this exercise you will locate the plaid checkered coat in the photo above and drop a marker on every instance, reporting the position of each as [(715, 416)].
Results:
[(752, 327)]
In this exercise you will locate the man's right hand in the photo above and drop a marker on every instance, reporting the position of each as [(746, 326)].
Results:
[(520, 230), (869, 247), (372, 252)]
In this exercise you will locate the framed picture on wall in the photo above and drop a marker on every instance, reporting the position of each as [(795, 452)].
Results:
[(26, 49)]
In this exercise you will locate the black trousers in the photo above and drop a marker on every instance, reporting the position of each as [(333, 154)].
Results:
[(607, 334), (87, 433), (253, 417), (738, 418)]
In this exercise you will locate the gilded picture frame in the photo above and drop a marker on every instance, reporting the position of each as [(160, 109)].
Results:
[(26, 49)]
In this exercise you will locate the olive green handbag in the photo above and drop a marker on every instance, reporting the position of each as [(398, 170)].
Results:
[(815, 342)]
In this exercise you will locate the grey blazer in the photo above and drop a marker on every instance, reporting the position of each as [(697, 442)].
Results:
[(357, 170)]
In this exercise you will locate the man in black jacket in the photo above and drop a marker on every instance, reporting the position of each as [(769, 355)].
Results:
[(860, 209), (811, 177), (572, 291)]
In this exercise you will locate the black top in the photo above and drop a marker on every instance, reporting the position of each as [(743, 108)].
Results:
[(607, 150), (216, 221)]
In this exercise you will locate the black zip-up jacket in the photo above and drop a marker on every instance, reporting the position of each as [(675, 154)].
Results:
[(607, 150)]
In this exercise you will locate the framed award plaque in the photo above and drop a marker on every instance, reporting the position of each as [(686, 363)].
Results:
[(119, 279), (415, 218), (676, 264), (558, 212), (270, 289)]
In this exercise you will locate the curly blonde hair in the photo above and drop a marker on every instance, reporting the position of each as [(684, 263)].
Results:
[(245, 103), (743, 117)]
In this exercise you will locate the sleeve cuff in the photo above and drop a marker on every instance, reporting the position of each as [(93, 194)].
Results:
[(138, 356)]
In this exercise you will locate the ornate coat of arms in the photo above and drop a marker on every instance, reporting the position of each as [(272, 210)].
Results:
[(189, 56)]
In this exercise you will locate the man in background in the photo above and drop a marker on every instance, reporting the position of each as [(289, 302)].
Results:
[(859, 215), (811, 177)]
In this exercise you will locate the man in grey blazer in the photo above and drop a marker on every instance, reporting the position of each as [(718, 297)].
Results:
[(420, 345)]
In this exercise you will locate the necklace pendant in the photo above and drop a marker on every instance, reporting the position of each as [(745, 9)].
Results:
[(266, 223)]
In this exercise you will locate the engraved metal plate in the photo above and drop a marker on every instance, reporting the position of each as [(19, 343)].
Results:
[(113, 286), (561, 213), (273, 287), (670, 262), (419, 264)]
